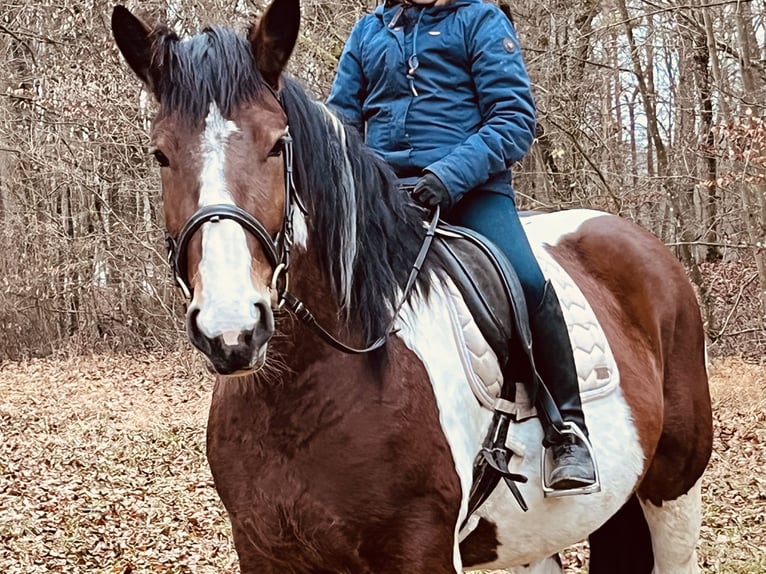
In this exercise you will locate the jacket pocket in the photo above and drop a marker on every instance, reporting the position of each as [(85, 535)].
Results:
[(378, 128)]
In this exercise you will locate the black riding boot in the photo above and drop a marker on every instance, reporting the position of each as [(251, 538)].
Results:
[(572, 465)]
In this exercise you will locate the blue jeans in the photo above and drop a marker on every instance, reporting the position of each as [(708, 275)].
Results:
[(494, 215)]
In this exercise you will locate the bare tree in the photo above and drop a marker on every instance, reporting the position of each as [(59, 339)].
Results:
[(650, 109)]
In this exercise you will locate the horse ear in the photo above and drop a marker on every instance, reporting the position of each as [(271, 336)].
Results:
[(273, 38), (132, 37)]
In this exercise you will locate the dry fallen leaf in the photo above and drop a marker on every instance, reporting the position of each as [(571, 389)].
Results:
[(102, 469)]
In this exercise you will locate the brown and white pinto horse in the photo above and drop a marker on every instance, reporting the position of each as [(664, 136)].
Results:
[(334, 462)]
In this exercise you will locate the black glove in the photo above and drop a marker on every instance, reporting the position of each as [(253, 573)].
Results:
[(429, 192)]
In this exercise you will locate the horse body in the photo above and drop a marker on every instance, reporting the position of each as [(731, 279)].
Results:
[(339, 444), (362, 463), (646, 435)]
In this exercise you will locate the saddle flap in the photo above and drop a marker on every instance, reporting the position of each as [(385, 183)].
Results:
[(489, 286)]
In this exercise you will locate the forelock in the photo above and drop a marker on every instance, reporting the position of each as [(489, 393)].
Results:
[(214, 66)]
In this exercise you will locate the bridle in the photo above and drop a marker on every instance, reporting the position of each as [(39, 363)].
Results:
[(277, 250)]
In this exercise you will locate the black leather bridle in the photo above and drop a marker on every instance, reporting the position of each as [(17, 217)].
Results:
[(277, 250)]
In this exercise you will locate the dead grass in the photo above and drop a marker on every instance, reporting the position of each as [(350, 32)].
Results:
[(734, 493), (102, 469)]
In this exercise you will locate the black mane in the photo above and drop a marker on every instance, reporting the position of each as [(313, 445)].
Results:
[(214, 66), (389, 228), (369, 213)]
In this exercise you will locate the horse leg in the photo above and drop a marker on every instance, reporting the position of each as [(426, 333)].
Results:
[(622, 545), (675, 529), (670, 492), (423, 547)]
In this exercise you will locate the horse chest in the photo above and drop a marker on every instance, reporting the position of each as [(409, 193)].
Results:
[(316, 476), (317, 509)]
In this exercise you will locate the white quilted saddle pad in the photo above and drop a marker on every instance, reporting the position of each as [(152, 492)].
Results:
[(596, 367)]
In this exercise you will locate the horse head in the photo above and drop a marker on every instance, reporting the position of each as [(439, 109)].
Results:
[(221, 140)]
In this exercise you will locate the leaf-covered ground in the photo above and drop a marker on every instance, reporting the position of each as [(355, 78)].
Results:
[(102, 469)]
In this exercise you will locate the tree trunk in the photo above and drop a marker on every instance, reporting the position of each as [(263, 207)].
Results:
[(753, 195)]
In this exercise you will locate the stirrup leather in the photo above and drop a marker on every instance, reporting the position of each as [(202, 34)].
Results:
[(547, 462)]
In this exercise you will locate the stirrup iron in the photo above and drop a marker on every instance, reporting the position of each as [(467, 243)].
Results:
[(546, 462)]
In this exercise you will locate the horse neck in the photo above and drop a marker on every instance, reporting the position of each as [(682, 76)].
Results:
[(297, 346)]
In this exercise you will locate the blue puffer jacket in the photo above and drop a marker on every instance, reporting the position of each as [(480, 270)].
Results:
[(466, 114)]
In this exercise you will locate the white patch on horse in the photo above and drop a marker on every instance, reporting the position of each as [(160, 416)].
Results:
[(551, 228), (423, 325), (547, 566), (227, 296), (300, 230), (348, 203), (552, 524), (675, 529), (213, 187)]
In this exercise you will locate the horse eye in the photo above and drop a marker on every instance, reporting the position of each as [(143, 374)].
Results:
[(161, 158), (276, 151)]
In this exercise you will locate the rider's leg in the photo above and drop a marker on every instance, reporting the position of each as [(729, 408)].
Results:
[(494, 216), (573, 467)]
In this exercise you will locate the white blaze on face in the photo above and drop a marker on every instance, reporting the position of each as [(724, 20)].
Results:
[(226, 299)]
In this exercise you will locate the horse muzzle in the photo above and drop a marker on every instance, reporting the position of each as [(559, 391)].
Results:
[(233, 351)]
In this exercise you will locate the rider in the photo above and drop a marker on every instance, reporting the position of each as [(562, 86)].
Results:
[(440, 90)]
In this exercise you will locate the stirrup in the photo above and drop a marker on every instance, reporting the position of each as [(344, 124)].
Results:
[(546, 463)]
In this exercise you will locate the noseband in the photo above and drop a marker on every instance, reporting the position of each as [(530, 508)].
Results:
[(277, 251)]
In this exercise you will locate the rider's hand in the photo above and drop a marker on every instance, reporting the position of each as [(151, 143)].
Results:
[(429, 192)]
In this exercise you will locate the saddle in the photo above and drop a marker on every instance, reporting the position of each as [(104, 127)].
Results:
[(492, 292), (489, 286)]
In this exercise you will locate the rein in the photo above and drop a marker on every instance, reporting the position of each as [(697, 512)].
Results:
[(298, 309), (277, 251)]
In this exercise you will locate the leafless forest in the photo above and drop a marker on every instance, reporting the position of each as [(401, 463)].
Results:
[(650, 109)]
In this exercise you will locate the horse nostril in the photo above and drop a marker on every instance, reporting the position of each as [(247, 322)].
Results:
[(265, 318)]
